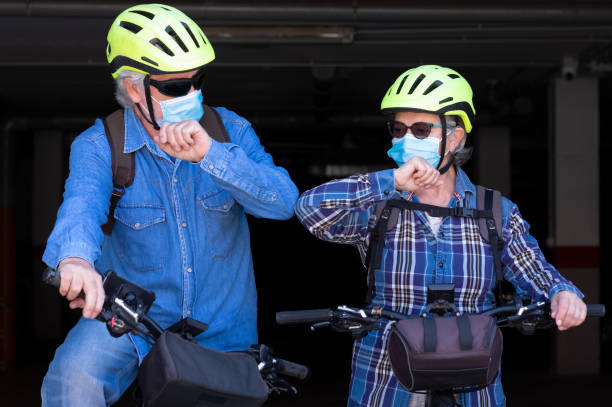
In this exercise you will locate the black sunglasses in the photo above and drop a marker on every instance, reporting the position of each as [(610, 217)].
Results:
[(420, 130), (180, 86)]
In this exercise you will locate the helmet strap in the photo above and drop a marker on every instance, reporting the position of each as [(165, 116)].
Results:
[(147, 89), (443, 144), (448, 164)]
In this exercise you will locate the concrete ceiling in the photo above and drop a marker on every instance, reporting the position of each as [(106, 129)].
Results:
[(339, 33), (291, 64)]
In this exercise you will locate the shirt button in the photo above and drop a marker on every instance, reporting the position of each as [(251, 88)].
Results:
[(441, 234), (175, 180), (441, 265), (225, 206), (211, 166), (189, 270), (184, 224), (188, 312), (136, 225), (386, 192)]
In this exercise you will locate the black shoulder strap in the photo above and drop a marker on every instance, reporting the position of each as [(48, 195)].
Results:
[(392, 217), (488, 212), (495, 207), (490, 229), (122, 164), (376, 246), (212, 123)]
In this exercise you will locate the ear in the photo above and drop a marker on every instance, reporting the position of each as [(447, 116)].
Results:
[(133, 90), (453, 141)]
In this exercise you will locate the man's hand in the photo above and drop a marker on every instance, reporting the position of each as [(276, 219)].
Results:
[(415, 175), (567, 309), (77, 274), (185, 140)]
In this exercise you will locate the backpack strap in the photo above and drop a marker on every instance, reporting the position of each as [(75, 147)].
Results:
[(122, 164), (392, 217), (488, 212), (490, 230), (494, 202), (377, 244), (212, 123)]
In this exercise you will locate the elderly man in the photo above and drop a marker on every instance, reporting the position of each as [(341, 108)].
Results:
[(180, 229), (432, 112)]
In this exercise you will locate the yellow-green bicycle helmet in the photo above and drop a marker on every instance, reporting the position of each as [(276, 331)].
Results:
[(431, 89), (156, 39)]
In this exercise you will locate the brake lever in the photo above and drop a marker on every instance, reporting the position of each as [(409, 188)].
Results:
[(320, 325), (278, 385)]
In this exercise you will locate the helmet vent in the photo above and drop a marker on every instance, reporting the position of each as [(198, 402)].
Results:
[(416, 83), (432, 87), (162, 46), (203, 39), (130, 26), (148, 15), (401, 85), (453, 76), (448, 99), (108, 49), (190, 34), (176, 38), (149, 60)]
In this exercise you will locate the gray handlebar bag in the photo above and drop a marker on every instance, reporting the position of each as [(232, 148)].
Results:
[(443, 353), (178, 372)]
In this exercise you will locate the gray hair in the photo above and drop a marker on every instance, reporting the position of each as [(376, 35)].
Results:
[(461, 153), (121, 93)]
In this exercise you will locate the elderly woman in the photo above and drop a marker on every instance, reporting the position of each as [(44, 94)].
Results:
[(432, 113)]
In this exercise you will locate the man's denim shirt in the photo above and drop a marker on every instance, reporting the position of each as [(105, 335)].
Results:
[(181, 228)]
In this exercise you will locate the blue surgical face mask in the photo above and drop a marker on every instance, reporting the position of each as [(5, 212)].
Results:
[(405, 148), (181, 108)]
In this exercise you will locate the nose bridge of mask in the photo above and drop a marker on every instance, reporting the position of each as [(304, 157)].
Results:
[(411, 139), (181, 108)]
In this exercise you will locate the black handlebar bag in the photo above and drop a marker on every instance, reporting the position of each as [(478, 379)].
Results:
[(178, 372), (443, 353)]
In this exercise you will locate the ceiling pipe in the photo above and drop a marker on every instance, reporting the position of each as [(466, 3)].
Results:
[(354, 12)]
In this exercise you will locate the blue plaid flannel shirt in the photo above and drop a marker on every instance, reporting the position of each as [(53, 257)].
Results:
[(343, 211)]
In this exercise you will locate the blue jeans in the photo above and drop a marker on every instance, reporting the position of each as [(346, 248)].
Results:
[(91, 368)]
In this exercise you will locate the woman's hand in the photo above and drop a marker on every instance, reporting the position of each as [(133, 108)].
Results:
[(415, 175), (567, 309)]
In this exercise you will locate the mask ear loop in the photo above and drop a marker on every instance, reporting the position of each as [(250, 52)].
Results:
[(147, 90), (443, 145)]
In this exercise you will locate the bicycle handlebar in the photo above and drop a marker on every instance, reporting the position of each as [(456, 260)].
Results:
[(304, 317), (343, 313), (596, 310), (270, 366), (51, 277), (292, 369)]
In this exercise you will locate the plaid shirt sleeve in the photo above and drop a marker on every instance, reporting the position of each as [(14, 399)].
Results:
[(525, 265), (339, 210)]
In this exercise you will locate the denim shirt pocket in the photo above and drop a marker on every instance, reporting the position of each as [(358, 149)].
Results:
[(140, 236), (217, 201), (220, 214)]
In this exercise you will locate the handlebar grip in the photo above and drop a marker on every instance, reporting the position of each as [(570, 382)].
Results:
[(303, 317), (296, 370), (52, 277), (596, 310)]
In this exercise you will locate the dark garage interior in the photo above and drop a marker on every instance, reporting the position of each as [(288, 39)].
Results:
[(309, 76)]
